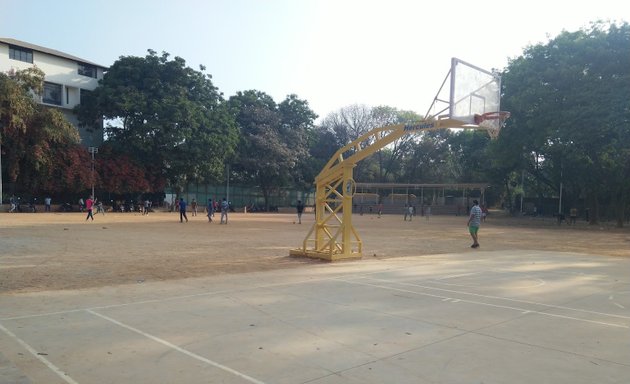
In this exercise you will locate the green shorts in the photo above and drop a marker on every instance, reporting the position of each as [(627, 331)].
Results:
[(473, 229)]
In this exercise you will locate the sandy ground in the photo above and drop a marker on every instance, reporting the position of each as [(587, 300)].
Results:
[(53, 251)]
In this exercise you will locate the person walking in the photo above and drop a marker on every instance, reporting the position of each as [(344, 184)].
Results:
[(573, 215), (100, 208), (210, 210), (474, 221), (89, 206), (225, 207), (193, 205), (300, 209), (408, 212), (182, 210), (14, 202)]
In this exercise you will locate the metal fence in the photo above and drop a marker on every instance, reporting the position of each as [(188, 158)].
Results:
[(243, 196)]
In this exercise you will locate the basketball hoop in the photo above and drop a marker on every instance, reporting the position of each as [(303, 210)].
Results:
[(492, 122)]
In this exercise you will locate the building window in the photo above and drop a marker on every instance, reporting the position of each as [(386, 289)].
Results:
[(83, 94), (87, 70), (19, 53), (52, 93)]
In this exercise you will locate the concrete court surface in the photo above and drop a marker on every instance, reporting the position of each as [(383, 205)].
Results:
[(481, 317)]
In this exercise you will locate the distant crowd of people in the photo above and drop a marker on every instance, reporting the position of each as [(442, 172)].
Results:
[(224, 207), (476, 215)]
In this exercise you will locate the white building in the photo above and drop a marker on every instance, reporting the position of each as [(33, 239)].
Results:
[(67, 78)]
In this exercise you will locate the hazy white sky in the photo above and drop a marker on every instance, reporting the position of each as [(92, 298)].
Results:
[(331, 53)]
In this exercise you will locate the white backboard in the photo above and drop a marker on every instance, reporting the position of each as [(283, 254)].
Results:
[(474, 91)]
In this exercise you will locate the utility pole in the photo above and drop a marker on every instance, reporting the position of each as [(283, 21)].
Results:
[(1, 176), (227, 188), (93, 150), (560, 200), (523, 188)]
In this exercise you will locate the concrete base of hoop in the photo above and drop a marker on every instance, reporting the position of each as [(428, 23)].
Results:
[(299, 252)]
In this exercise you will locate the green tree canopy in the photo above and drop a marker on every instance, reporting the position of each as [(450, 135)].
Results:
[(571, 114), (166, 116), (274, 139)]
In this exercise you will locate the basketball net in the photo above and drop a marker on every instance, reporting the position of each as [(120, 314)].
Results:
[(492, 122)]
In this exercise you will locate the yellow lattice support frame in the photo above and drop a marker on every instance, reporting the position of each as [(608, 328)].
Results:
[(333, 237)]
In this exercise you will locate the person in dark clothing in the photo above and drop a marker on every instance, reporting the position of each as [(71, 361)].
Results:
[(300, 209), (182, 210)]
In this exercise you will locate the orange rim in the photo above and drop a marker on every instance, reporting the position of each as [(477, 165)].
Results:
[(500, 115)]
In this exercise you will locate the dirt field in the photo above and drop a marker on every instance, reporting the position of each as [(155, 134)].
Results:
[(52, 251)]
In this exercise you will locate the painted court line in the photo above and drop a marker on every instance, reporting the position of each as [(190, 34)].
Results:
[(309, 281), (522, 310), (39, 357), (18, 266), (459, 275), (42, 314), (540, 283), (418, 264), (178, 349), (182, 297), (160, 300), (503, 298)]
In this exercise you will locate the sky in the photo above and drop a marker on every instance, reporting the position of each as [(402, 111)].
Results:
[(332, 53)]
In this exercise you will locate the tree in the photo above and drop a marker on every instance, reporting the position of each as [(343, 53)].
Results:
[(389, 159), (428, 159), (39, 147), (349, 123), (297, 127), (121, 175), (322, 146), (274, 138), (469, 155), (569, 107), (165, 116), (69, 170)]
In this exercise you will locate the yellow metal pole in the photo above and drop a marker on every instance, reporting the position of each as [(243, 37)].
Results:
[(320, 208), (348, 192)]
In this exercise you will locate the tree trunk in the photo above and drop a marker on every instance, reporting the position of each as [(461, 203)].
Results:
[(593, 217), (621, 199), (379, 156), (265, 192), (508, 196), (541, 203)]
